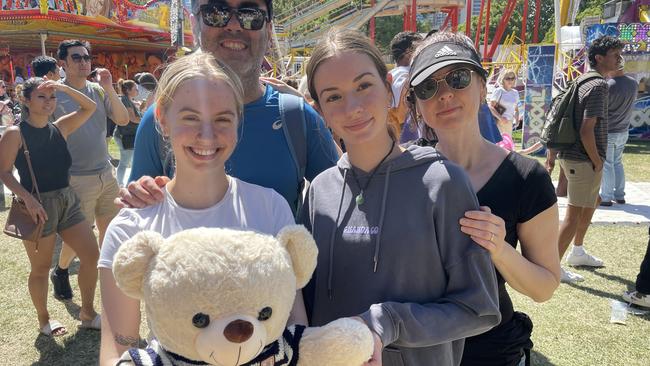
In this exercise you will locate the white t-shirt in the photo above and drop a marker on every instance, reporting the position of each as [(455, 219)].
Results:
[(245, 206), (508, 99)]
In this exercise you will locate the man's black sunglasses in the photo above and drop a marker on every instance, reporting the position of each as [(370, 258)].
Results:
[(215, 15), (77, 57)]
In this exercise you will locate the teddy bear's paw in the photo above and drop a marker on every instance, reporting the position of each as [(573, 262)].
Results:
[(343, 342)]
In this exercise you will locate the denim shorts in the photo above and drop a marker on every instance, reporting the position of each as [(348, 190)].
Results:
[(63, 210)]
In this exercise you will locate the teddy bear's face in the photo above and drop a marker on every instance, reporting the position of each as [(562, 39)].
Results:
[(219, 298)]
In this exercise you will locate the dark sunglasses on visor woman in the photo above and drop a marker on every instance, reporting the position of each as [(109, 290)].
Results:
[(437, 56), (457, 79), (218, 15)]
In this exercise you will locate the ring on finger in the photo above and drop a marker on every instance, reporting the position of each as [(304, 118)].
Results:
[(492, 237)]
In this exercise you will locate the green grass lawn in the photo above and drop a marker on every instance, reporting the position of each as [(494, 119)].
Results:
[(573, 328)]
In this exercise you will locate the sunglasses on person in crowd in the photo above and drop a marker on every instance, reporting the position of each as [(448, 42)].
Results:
[(458, 79), (215, 15), (509, 78), (77, 58)]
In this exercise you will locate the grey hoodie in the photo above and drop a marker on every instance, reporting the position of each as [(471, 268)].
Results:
[(399, 259)]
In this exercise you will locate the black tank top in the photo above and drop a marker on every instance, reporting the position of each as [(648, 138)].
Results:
[(50, 158)]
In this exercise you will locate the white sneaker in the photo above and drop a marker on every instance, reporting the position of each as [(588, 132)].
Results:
[(569, 277), (585, 259), (634, 297)]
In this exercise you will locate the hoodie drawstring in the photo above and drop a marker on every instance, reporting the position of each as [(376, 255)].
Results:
[(375, 258), (332, 236)]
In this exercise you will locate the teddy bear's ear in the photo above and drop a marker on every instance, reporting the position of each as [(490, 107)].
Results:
[(132, 261), (303, 251)]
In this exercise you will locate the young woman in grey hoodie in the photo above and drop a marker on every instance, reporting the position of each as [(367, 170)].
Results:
[(386, 223)]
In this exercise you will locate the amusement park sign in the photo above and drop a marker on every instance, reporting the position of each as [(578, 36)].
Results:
[(539, 88), (635, 35)]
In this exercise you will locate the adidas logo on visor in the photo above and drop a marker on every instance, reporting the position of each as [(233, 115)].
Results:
[(445, 51)]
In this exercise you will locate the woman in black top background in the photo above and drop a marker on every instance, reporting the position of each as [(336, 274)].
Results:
[(125, 135), (59, 209), (516, 194)]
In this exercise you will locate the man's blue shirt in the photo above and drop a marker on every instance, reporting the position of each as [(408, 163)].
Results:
[(262, 155)]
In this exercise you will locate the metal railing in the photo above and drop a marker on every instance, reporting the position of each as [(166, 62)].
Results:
[(300, 15), (352, 19)]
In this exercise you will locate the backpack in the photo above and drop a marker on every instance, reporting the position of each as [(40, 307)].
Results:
[(560, 131), (294, 127), (295, 131)]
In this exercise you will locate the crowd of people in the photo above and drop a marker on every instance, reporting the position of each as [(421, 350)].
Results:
[(412, 175)]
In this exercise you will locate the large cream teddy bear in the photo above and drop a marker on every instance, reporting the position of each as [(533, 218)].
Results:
[(222, 297)]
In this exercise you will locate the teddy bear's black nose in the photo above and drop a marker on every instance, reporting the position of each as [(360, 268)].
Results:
[(238, 331)]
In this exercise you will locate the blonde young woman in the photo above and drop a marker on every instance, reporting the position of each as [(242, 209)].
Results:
[(385, 218), (518, 203), (199, 105), (60, 207), (507, 98)]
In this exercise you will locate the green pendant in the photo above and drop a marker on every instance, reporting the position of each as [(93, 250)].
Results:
[(360, 199)]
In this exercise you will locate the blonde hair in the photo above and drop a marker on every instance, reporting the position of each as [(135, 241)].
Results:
[(504, 73), (198, 65), (19, 92)]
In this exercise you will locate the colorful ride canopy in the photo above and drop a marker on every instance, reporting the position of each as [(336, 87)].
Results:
[(110, 22)]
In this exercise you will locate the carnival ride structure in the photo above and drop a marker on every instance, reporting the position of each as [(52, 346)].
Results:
[(300, 26), (297, 29)]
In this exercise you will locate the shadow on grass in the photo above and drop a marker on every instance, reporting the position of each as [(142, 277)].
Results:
[(72, 308), (595, 292), (81, 348), (48, 349), (637, 147), (645, 317), (623, 281), (538, 359)]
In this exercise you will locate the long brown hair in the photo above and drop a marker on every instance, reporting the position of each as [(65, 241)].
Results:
[(338, 40)]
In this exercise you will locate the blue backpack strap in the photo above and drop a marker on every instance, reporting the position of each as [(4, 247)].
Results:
[(294, 127)]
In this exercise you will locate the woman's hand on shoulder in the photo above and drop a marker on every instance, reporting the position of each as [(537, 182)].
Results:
[(486, 229)]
